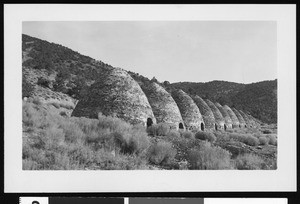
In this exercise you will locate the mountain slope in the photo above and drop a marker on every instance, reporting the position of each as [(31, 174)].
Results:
[(213, 90), (259, 99), (57, 67)]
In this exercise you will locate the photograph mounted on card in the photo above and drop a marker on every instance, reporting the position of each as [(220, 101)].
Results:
[(136, 102)]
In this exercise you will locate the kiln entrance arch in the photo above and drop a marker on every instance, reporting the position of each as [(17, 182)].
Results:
[(181, 126), (149, 122), (202, 126)]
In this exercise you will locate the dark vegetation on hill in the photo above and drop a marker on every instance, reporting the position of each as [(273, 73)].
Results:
[(259, 99), (72, 71)]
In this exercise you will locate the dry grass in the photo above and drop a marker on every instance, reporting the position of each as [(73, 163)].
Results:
[(162, 153), (205, 136), (209, 157), (56, 142), (173, 133), (245, 138), (160, 129), (272, 139), (249, 162), (263, 140), (187, 134)]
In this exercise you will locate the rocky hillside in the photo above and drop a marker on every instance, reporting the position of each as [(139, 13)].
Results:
[(57, 67), (259, 99)]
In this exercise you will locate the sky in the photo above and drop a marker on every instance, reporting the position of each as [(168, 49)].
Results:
[(174, 51)]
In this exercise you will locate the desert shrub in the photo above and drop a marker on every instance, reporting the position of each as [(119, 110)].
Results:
[(80, 155), (45, 157), (134, 141), (160, 129), (173, 133), (80, 143), (221, 136), (205, 136), (258, 135), (209, 157), (230, 130), (109, 161), (28, 164), (36, 156), (28, 113), (272, 140), (88, 126), (51, 138), (249, 162), (111, 133), (187, 134), (60, 161), (161, 153), (72, 132), (63, 113), (245, 138), (27, 88), (251, 140), (263, 140), (112, 123), (35, 117), (43, 82), (36, 101), (139, 139), (152, 130), (237, 136), (101, 139)]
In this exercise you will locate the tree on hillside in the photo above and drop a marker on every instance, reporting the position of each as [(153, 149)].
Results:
[(154, 80), (60, 79), (78, 85)]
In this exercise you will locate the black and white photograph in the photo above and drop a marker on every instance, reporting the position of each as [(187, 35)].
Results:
[(166, 90), (193, 95)]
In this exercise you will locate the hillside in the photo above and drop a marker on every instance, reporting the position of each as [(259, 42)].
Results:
[(259, 99), (60, 69), (57, 67), (213, 90)]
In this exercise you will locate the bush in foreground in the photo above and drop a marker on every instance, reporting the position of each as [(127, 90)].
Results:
[(187, 134), (249, 162), (173, 133), (160, 129), (245, 138), (251, 140), (272, 140), (263, 140), (205, 136), (81, 143), (209, 157), (162, 153)]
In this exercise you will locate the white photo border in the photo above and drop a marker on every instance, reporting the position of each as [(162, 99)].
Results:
[(282, 179)]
